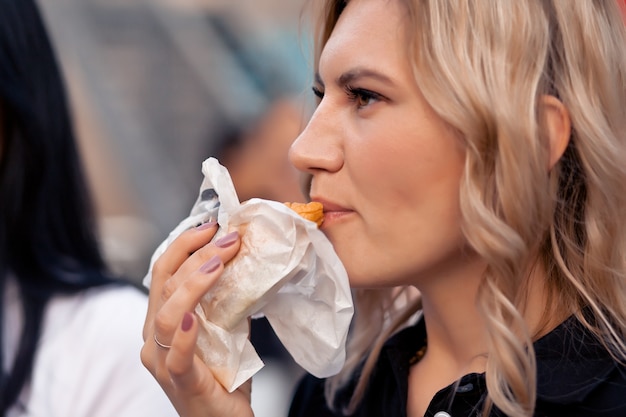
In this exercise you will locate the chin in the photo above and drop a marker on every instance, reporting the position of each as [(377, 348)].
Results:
[(359, 281)]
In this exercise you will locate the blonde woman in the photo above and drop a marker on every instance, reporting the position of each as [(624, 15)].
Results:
[(474, 151)]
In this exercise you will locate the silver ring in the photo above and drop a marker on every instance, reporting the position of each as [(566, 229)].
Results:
[(159, 344)]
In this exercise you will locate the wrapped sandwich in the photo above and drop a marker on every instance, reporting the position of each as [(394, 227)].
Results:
[(241, 291), (285, 270)]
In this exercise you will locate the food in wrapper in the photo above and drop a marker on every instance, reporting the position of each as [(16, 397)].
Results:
[(237, 292), (313, 211), (285, 270)]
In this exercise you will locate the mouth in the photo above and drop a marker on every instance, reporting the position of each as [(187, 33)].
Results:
[(333, 212)]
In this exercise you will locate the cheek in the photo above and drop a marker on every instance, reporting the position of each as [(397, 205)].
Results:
[(404, 173), (412, 219), (404, 247), (382, 160)]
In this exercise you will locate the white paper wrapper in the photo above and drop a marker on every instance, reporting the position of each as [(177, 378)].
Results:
[(286, 270)]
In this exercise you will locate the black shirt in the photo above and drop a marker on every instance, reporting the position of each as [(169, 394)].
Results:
[(576, 377)]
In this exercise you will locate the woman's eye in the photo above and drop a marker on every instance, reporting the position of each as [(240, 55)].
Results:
[(362, 97)]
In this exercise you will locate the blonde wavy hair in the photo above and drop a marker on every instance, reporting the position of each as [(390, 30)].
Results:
[(483, 66)]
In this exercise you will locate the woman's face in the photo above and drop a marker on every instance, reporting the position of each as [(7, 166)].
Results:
[(386, 167)]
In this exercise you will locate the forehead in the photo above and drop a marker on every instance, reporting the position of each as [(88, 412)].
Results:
[(368, 33)]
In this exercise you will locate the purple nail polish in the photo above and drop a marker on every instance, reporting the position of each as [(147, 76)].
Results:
[(227, 240), (211, 265), (206, 225), (187, 322)]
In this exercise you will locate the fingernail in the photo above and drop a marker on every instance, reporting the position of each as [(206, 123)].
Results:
[(227, 240), (211, 265), (206, 225), (187, 322)]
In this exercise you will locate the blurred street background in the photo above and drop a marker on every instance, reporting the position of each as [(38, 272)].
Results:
[(156, 87)]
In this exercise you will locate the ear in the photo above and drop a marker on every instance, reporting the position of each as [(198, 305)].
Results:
[(556, 119)]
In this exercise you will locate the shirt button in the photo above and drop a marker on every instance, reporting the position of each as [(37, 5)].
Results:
[(465, 388), (442, 414)]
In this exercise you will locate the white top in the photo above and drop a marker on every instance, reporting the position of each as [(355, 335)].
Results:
[(87, 364)]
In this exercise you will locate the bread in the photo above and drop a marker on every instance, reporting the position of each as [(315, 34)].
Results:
[(313, 211)]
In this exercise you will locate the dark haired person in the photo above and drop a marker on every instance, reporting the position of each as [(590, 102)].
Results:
[(70, 330)]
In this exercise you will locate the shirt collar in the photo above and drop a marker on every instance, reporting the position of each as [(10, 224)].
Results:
[(571, 362)]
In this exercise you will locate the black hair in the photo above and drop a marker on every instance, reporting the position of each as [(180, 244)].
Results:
[(47, 226)]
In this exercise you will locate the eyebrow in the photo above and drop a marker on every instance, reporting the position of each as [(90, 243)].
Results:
[(355, 74)]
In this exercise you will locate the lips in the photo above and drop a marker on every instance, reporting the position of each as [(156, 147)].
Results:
[(329, 206), (332, 211)]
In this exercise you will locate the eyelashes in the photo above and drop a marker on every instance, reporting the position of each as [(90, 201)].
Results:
[(318, 93), (359, 96)]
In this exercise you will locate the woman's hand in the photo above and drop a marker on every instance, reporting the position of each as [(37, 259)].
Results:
[(180, 277)]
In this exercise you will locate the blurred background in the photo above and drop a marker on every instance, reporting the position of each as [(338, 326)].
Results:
[(156, 87)]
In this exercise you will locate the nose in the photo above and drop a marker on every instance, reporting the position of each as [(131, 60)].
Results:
[(319, 147)]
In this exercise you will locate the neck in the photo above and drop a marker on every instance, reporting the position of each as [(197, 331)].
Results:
[(457, 334), (456, 331)]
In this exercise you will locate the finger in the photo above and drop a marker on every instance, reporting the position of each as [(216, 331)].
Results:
[(158, 347), (180, 249), (185, 298), (226, 247), (195, 384), (169, 262), (187, 372), (183, 291)]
